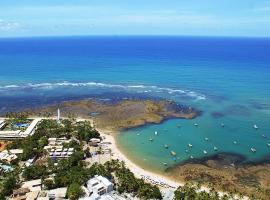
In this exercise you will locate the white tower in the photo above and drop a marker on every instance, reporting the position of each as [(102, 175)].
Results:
[(58, 115)]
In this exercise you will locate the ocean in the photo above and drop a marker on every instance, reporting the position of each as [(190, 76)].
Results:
[(228, 79)]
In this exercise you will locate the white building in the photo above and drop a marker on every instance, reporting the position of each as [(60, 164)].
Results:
[(17, 134), (97, 187)]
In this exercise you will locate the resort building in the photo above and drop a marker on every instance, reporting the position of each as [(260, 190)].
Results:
[(56, 150), (17, 134), (96, 187)]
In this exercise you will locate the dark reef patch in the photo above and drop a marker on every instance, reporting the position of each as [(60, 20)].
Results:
[(217, 115), (238, 110), (259, 105), (225, 159), (16, 104)]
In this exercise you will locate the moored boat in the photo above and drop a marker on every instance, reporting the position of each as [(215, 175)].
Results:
[(253, 150), (173, 153)]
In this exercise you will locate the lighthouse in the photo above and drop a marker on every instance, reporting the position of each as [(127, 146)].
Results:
[(58, 115)]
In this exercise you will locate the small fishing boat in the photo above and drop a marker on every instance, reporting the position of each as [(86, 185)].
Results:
[(166, 146), (234, 142), (151, 139), (165, 164), (190, 145), (196, 124), (206, 139), (268, 144), (156, 132), (191, 157), (173, 153), (255, 126), (138, 134), (264, 136), (204, 151), (222, 125), (215, 148), (186, 151), (253, 150)]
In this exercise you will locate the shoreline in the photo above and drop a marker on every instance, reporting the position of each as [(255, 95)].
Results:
[(136, 169), (139, 172)]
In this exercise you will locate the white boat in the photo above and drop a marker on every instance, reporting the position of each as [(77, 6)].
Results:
[(151, 139), (196, 124), (253, 150), (268, 144), (234, 142), (255, 126), (138, 134), (204, 151), (165, 164), (215, 148), (173, 153), (222, 125), (206, 139), (156, 132), (190, 145), (191, 157), (166, 146)]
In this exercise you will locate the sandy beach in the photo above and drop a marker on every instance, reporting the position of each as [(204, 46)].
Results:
[(138, 171), (163, 182)]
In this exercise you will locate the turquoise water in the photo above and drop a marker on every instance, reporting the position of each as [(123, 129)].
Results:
[(228, 79)]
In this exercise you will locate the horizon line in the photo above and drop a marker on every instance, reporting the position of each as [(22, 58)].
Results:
[(129, 35)]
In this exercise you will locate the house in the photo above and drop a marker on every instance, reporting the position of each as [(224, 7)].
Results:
[(94, 142), (58, 194), (33, 185), (98, 186), (8, 157), (24, 194)]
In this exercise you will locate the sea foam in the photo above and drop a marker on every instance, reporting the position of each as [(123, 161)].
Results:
[(96, 85)]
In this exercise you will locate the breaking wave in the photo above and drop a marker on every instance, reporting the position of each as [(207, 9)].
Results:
[(98, 85)]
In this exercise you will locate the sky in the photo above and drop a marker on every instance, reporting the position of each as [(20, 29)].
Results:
[(26, 18)]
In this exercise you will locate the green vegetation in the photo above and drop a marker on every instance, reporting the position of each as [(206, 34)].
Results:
[(191, 192), (7, 183), (74, 191)]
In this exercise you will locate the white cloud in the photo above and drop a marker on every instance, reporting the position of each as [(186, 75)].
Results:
[(8, 25)]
